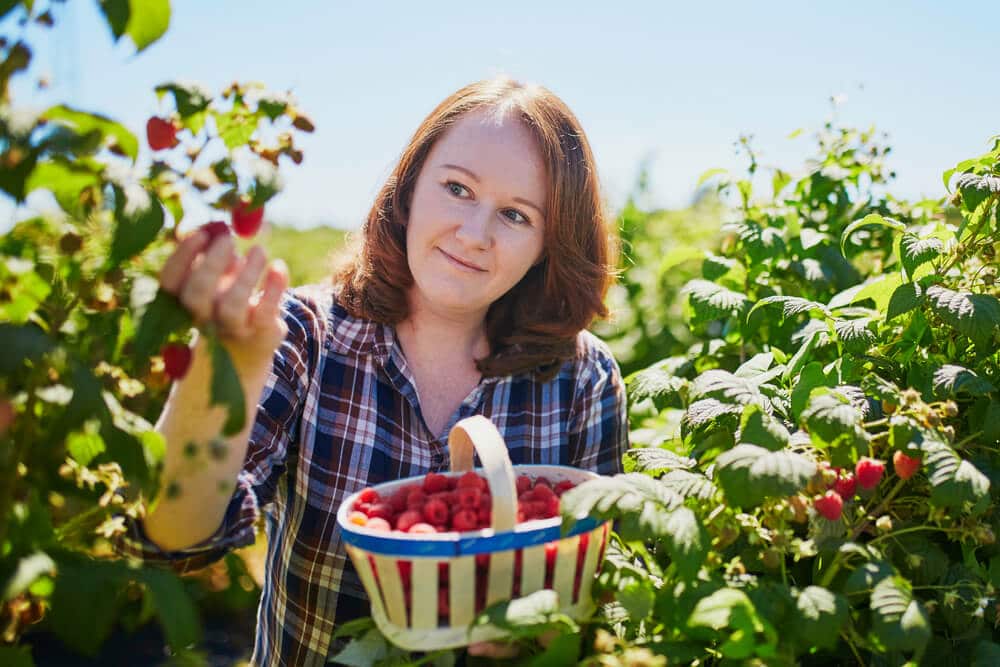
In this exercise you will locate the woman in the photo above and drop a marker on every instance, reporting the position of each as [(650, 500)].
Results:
[(484, 258)]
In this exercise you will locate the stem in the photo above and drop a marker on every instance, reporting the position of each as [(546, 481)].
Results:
[(913, 529), (854, 649), (967, 439), (9, 480), (881, 506)]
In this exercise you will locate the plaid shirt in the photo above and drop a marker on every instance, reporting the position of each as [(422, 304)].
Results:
[(339, 413)]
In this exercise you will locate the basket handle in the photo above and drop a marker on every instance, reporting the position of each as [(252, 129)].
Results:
[(479, 432)]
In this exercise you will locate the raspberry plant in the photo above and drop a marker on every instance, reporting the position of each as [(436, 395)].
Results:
[(82, 324)]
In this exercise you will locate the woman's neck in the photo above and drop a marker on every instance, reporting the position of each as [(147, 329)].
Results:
[(430, 338)]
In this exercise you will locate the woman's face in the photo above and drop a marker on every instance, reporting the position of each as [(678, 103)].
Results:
[(476, 219)]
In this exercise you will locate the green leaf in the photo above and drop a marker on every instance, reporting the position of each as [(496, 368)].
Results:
[(84, 446), (236, 126), (791, 306), (678, 255), (761, 243), (811, 377), (637, 596), (986, 654), (26, 293), (85, 601), (689, 484), (726, 271), (538, 608), (191, 99), (730, 609), (16, 656), (656, 459), (954, 481), (659, 384), (686, 541), (641, 499), (710, 173), (975, 315), (83, 122), (174, 607), (364, 651), (856, 335), (899, 621), (711, 301), (226, 388), (864, 579), (975, 188), (757, 427), (144, 21), (951, 380), (880, 290), (726, 387), (706, 414), (138, 219), (163, 316), (834, 422), (749, 474), (21, 343), (820, 614), (904, 298), (65, 180), (870, 219), (916, 251)]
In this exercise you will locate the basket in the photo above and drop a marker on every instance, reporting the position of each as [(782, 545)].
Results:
[(403, 574)]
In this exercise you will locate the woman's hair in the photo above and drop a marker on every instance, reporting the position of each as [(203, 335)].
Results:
[(533, 326)]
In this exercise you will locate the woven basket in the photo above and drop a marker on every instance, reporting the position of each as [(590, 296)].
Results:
[(400, 572)]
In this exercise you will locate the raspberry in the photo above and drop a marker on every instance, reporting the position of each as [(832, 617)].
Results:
[(357, 518), (845, 485), (563, 486), (905, 466), (868, 472), (830, 505), (465, 520), (468, 498), (471, 480), (435, 483), (544, 481), (408, 519), (398, 500), (416, 499), (523, 484), (246, 220), (485, 517), (379, 524), (176, 360), (435, 511), (215, 229), (381, 510), (369, 496), (161, 133), (543, 492)]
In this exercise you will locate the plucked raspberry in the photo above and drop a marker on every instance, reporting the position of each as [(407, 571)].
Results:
[(465, 520), (563, 486), (369, 496), (408, 519), (523, 484), (382, 510), (435, 511), (468, 498), (471, 480)]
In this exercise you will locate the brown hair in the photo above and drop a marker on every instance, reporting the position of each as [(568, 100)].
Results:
[(533, 326)]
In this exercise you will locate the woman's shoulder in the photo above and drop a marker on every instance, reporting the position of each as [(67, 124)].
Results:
[(593, 360), (318, 310)]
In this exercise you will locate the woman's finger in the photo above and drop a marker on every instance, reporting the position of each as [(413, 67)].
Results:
[(178, 265), (198, 291), (233, 305), (265, 312)]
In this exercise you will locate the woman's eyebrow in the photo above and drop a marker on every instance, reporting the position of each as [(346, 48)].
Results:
[(473, 176)]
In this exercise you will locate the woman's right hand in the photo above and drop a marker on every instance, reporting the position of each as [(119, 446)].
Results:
[(218, 287)]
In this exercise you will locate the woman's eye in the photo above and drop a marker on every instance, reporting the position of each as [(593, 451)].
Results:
[(456, 189), (515, 216)]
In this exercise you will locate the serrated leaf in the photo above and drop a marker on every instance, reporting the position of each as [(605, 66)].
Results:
[(711, 301), (749, 474), (708, 410), (657, 383), (638, 597), (616, 496), (904, 298), (975, 315), (864, 579), (190, 99), (898, 620), (723, 385), (975, 188), (954, 481), (870, 219), (654, 459), (686, 541), (226, 388), (915, 251), (757, 427), (791, 306), (856, 335), (84, 447), (138, 219), (174, 608), (726, 271), (832, 419), (82, 122), (761, 243), (689, 484), (951, 380), (64, 179), (710, 173), (163, 316), (819, 616), (755, 365)]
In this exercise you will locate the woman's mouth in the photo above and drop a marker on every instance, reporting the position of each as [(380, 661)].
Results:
[(468, 266)]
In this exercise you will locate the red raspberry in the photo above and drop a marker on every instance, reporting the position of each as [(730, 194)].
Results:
[(846, 485), (364, 508), (381, 510), (398, 500), (421, 529), (416, 499), (523, 484), (544, 481), (176, 360), (379, 524), (563, 486), (215, 229), (468, 498), (408, 519), (471, 480), (465, 520), (435, 483), (485, 516), (435, 512), (868, 472), (246, 220), (161, 133), (369, 496), (550, 507), (906, 466), (543, 492), (830, 505)]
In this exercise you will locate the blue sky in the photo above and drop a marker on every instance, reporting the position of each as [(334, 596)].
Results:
[(674, 82)]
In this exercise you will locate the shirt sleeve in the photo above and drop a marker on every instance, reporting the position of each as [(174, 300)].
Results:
[(274, 431), (598, 423)]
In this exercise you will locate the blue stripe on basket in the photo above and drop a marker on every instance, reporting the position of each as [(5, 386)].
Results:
[(394, 546)]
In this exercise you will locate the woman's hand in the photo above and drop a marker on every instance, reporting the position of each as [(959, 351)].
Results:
[(218, 287), (506, 651)]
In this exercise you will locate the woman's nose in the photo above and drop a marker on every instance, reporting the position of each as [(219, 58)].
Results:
[(475, 228)]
